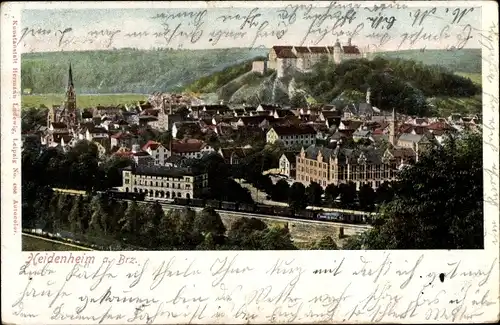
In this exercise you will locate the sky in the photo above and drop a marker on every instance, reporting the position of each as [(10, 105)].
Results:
[(384, 29)]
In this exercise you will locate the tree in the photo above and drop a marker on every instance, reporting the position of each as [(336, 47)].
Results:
[(298, 100), (313, 193), (130, 221), (384, 193), (439, 201), (366, 196), (98, 218), (112, 169), (209, 221), (277, 238), (245, 225), (347, 194), (331, 194), (325, 243), (74, 215), (296, 196), (280, 191)]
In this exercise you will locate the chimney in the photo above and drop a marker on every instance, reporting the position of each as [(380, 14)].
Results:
[(349, 41), (368, 95)]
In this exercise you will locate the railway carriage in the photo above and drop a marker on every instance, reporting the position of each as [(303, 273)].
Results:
[(197, 203), (232, 206), (213, 204), (246, 207)]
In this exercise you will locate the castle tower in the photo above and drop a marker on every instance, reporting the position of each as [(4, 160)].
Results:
[(70, 111), (337, 52), (392, 129)]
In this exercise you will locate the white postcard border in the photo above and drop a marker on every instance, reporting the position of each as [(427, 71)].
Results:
[(470, 277)]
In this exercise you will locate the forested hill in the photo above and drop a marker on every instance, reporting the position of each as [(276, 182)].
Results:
[(127, 70), (464, 60), (406, 85)]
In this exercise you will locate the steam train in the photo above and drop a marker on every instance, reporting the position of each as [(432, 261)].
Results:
[(306, 214), (118, 195)]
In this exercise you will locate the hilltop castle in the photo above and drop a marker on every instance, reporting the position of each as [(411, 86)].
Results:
[(302, 58)]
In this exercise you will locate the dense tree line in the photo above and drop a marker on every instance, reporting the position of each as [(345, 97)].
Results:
[(394, 83), (126, 70), (343, 196), (106, 222), (438, 203)]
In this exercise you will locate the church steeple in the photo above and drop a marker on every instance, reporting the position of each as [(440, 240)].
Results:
[(392, 129), (70, 77), (71, 116)]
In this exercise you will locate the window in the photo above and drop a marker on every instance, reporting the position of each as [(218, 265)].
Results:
[(127, 181)]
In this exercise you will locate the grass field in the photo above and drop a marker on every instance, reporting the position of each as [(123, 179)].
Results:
[(449, 105), (35, 244), (84, 101), (474, 77)]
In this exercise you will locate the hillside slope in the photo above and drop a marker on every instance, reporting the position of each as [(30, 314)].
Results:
[(408, 85), (126, 70), (465, 60)]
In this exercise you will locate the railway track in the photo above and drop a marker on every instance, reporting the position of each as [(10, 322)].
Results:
[(266, 217)]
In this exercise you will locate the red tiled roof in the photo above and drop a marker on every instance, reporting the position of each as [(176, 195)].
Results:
[(187, 146), (405, 128), (286, 54), (279, 48), (318, 49), (351, 49), (153, 145), (301, 49), (140, 154), (122, 135), (123, 152)]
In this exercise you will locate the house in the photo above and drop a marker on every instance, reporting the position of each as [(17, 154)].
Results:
[(332, 122), (288, 163), (58, 126), (267, 108), (418, 142), (189, 127), (234, 155), (157, 151), (350, 125), (402, 156), (164, 182), (191, 148), (262, 121), (122, 139), (292, 135), (362, 135), (174, 161), (325, 115), (95, 134), (140, 157)]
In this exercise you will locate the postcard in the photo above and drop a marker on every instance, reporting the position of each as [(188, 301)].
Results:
[(250, 162)]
